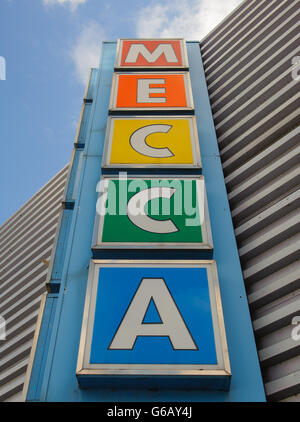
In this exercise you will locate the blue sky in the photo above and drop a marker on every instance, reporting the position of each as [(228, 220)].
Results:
[(48, 47)]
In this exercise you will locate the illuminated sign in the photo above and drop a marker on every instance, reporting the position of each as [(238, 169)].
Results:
[(152, 320), (154, 53), (147, 323), (152, 141), (151, 90), (152, 212)]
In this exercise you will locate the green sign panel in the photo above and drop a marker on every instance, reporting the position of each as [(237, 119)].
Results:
[(152, 212)]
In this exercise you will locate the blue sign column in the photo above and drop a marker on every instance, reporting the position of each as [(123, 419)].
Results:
[(153, 324), (56, 373)]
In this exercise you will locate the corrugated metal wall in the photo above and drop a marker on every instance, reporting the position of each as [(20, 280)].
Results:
[(26, 242), (255, 103)]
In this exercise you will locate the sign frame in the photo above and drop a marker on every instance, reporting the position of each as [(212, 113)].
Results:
[(214, 376), (197, 163), (185, 63), (115, 84), (206, 244)]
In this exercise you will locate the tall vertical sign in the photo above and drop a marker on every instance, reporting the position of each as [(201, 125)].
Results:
[(159, 322), (136, 295)]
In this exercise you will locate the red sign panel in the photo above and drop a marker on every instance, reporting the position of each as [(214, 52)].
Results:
[(152, 53), (169, 90)]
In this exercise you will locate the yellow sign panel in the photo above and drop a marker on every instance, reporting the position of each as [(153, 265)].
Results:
[(139, 141)]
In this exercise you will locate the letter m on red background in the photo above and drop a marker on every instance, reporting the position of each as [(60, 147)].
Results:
[(152, 53)]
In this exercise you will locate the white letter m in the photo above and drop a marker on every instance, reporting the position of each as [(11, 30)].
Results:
[(136, 49)]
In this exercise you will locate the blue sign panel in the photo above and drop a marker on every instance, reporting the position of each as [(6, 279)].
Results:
[(186, 289), (155, 319)]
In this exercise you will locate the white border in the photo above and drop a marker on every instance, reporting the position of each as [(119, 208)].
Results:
[(197, 164), (114, 91), (183, 50), (207, 241), (222, 368)]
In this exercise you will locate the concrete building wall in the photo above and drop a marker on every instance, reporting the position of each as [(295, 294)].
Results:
[(255, 101), (26, 242)]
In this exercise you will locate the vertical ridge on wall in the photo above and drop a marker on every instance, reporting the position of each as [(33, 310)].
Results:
[(255, 103), (26, 242)]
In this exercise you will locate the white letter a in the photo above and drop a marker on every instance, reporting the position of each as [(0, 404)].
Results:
[(172, 325)]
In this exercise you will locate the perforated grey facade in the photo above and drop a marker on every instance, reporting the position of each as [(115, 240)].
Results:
[(255, 100), (26, 242)]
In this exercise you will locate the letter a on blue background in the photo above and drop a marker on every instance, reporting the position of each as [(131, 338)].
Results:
[(190, 292)]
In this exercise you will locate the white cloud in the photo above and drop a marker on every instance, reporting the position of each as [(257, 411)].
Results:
[(190, 19), (85, 53), (72, 3)]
